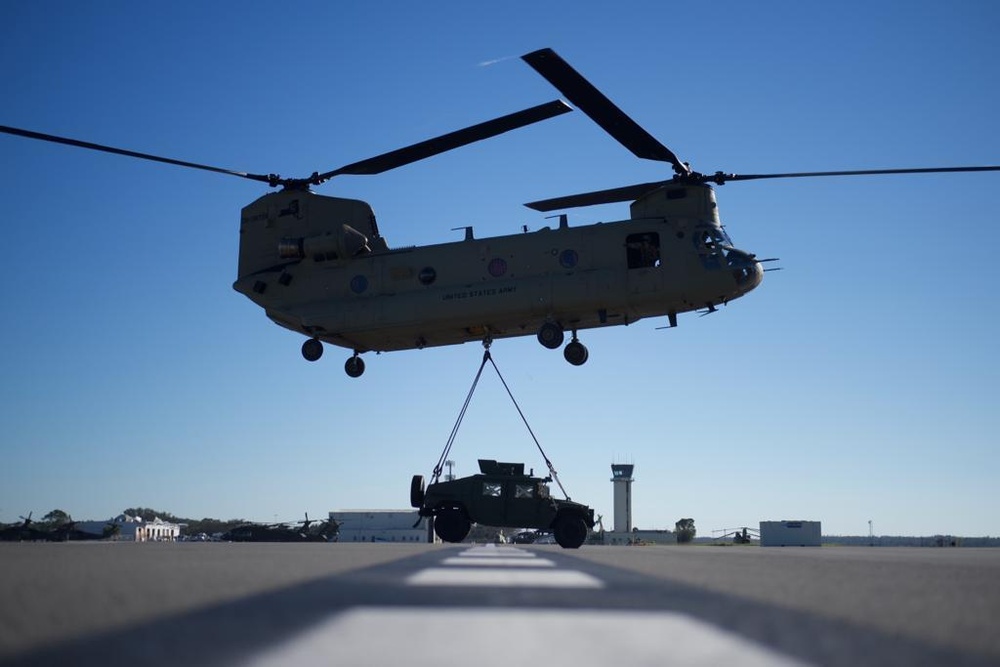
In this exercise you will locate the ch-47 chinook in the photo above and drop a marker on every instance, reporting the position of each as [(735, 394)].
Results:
[(319, 266)]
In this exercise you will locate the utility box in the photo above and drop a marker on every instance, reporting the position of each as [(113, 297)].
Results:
[(790, 533)]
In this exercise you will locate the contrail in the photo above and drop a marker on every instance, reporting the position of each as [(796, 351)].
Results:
[(487, 63)]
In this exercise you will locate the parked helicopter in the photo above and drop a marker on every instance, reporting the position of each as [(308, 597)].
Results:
[(21, 532), (32, 531), (318, 265), (296, 531)]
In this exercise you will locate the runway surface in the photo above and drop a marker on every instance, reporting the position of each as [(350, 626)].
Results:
[(391, 604)]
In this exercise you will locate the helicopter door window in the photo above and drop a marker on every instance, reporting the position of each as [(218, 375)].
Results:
[(642, 250)]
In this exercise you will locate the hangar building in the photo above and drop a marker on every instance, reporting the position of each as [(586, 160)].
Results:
[(381, 526)]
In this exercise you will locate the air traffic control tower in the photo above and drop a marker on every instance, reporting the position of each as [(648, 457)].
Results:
[(621, 477)]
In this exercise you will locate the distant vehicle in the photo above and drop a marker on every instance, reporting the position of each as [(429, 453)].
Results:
[(525, 537), (501, 495)]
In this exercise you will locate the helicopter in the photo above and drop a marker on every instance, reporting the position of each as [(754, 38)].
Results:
[(33, 531), (297, 531), (318, 265), (741, 535), (20, 532)]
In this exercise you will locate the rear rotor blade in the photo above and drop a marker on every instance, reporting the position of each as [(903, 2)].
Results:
[(603, 111), (142, 156), (447, 142)]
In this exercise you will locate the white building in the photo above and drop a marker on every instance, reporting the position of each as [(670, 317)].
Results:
[(133, 529), (381, 526), (790, 534)]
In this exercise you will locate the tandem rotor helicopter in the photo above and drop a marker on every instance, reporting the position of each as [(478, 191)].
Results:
[(319, 266)]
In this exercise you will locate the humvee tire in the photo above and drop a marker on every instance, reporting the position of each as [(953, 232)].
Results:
[(451, 524), (417, 491), (570, 531)]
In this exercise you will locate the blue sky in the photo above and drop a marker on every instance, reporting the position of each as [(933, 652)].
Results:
[(859, 383)]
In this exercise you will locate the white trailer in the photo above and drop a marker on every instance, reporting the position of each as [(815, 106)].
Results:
[(790, 533)]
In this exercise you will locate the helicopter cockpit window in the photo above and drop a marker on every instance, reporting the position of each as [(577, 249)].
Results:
[(492, 489), (711, 244), (642, 250)]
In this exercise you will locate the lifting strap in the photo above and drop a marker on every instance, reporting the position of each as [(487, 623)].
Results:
[(465, 406)]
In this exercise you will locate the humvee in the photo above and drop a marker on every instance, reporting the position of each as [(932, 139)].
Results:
[(501, 495)]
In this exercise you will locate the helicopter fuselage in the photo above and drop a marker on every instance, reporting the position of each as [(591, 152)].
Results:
[(318, 267)]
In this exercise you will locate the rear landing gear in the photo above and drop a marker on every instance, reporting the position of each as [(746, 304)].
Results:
[(355, 366)]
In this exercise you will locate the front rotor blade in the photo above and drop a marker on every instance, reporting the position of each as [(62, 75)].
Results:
[(722, 178), (447, 142), (603, 111), (626, 193), (121, 151)]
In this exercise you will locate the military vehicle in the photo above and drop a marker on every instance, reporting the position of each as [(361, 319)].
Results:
[(501, 495)]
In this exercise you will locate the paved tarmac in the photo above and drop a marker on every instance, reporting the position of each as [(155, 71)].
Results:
[(418, 604)]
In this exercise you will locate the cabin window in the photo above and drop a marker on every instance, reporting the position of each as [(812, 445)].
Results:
[(492, 489), (642, 250), (524, 491)]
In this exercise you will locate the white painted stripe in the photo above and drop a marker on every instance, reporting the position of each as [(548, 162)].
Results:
[(503, 577), (491, 551), (498, 562), (430, 637)]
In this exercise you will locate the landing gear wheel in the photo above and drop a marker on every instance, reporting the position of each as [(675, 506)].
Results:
[(417, 491), (551, 335), (312, 350), (451, 524), (570, 531), (576, 353), (355, 366)]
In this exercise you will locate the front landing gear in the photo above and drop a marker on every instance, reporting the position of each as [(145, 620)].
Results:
[(355, 366), (312, 350)]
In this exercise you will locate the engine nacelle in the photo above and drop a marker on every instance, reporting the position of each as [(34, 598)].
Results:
[(346, 243)]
